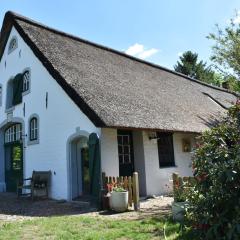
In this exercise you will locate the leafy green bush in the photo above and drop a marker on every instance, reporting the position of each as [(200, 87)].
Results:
[(119, 189), (215, 199)]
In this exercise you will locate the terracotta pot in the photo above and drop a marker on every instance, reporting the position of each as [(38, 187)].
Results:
[(119, 201)]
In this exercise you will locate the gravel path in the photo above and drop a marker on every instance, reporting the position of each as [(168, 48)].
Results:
[(14, 209)]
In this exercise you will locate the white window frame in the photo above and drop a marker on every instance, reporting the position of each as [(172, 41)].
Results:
[(27, 82), (13, 133), (33, 132)]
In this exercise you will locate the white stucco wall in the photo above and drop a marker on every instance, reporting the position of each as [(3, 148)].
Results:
[(152, 178), (57, 123), (109, 152), (139, 160), (158, 180)]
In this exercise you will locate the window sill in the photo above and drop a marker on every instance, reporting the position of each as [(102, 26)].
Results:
[(174, 166), (26, 92), (33, 142)]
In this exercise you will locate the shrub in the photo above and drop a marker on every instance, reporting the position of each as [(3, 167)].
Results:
[(215, 199)]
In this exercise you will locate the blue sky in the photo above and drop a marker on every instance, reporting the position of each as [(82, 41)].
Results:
[(155, 30)]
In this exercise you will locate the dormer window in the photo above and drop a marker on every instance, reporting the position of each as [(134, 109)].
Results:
[(26, 81), (12, 45)]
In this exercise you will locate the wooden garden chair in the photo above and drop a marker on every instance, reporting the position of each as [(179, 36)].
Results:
[(39, 182)]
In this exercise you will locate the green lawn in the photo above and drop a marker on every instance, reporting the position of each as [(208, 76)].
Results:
[(75, 227)]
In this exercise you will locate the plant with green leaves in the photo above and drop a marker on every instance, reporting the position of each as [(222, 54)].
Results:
[(119, 189), (226, 52), (215, 199)]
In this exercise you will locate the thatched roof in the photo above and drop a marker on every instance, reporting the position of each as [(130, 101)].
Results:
[(116, 90)]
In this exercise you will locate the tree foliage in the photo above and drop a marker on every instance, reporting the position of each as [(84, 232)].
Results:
[(226, 52), (190, 66), (215, 199)]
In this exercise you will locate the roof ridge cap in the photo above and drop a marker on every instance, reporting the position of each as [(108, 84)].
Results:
[(14, 16)]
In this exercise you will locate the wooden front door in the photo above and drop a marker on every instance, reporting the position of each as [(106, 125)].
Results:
[(125, 153), (13, 165)]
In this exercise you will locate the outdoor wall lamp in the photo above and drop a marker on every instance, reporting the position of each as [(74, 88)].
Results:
[(152, 135)]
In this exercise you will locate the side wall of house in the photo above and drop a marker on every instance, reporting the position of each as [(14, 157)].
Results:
[(159, 179), (152, 178), (139, 160), (57, 122), (109, 152)]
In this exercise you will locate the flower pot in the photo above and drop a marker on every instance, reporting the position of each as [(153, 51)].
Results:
[(178, 210), (119, 201)]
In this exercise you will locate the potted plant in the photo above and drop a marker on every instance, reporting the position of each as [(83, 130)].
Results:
[(119, 199), (180, 204)]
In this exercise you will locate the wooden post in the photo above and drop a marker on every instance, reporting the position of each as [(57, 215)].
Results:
[(130, 191), (103, 180), (125, 183), (136, 191), (110, 180), (121, 181)]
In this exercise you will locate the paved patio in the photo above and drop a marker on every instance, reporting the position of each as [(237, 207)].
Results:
[(12, 208)]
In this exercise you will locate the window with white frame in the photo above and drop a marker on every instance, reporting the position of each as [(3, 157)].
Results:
[(12, 45), (33, 129), (13, 133), (26, 81)]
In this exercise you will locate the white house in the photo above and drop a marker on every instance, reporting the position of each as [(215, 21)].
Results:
[(57, 89)]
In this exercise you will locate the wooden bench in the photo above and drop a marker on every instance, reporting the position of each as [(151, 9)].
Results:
[(39, 182)]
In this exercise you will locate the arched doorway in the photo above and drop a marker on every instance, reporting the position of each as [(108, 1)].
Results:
[(79, 167), (13, 156), (84, 171)]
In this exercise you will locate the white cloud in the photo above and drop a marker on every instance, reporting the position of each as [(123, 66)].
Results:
[(138, 50), (148, 53), (180, 54), (135, 49)]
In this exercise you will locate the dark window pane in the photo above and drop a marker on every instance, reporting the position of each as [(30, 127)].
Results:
[(120, 140), (126, 158), (120, 149), (121, 160), (17, 89), (125, 140), (165, 150), (126, 149)]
